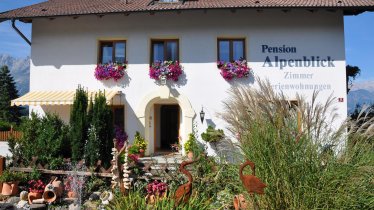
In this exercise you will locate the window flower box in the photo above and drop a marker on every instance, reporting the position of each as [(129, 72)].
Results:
[(169, 69), (110, 71), (230, 70)]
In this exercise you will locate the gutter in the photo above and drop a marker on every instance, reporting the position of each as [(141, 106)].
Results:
[(19, 32)]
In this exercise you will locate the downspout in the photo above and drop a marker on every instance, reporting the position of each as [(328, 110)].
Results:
[(19, 32)]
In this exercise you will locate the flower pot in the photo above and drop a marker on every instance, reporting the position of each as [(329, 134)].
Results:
[(10, 188), (72, 194), (58, 187), (34, 195), (141, 154)]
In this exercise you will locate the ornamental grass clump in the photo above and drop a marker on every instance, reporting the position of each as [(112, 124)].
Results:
[(110, 71), (299, 153), (170, 69), (230, 70)]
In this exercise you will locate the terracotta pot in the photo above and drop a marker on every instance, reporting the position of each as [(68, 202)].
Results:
[(141, 154), (10, 188), (240, 203), (34, 195), (49, 194), (58, 187), (1, 186), (72, 194)]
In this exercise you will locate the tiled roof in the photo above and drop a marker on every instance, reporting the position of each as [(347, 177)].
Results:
[(82, 7)]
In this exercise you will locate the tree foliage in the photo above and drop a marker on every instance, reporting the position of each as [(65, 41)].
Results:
[(100, 141), (78, 124), (351, 73), (8, 92)]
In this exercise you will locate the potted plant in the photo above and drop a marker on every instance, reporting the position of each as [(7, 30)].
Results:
[(110, 71), (190, 146), (230, 70), (36, 189), (169, 70), (140, 143), (10, 180), (156, 190)]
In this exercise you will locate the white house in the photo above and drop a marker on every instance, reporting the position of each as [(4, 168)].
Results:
[(298, 45)]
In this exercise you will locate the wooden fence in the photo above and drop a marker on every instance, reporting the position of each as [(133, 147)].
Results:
[(5, 135)]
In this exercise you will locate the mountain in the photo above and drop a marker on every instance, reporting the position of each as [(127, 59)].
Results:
[(20, 70), (360, 96)]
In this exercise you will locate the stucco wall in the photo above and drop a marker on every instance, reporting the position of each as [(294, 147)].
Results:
[(64, 53)]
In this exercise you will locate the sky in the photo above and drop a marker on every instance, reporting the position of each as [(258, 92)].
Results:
[(359, 38)]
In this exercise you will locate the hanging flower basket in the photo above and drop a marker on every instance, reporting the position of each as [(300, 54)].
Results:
[(169, 69), (110, 71), (230, 70)]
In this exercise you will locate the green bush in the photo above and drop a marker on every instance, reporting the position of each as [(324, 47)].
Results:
[(191, 145), (103, 124), (43, 137), (12, 176), (212, 135), (78, 124), (5, 126)]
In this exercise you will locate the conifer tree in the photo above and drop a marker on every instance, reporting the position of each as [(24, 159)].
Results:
[(103, 125), (78, 124), (8, 92)]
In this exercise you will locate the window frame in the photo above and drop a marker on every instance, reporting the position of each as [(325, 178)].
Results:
[(101, 42), (231, 49), (165, 51)]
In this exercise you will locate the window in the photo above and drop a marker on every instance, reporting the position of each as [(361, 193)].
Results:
[(118, 116), (164, 50), (231, 49), (112, 51)]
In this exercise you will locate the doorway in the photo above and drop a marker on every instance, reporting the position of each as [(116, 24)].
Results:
[(169, 127)]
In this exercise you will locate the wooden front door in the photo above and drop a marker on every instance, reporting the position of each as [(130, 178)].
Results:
[(169, 128)]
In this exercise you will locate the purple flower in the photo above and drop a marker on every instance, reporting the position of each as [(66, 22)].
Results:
[(229, 70), (171, 69), (110, 70)]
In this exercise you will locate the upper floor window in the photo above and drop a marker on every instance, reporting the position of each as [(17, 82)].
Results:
[(112, 51), (164, 50), (230, 50)]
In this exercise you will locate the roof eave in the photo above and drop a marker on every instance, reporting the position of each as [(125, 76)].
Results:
[(347, 11)]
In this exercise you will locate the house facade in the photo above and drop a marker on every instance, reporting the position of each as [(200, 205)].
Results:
[(299, 49)]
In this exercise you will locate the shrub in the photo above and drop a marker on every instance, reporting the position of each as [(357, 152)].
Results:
[(12, 176), (78, 124), (212, 135), (191, 144), (103, 124), (5, 126), (43, 137)]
